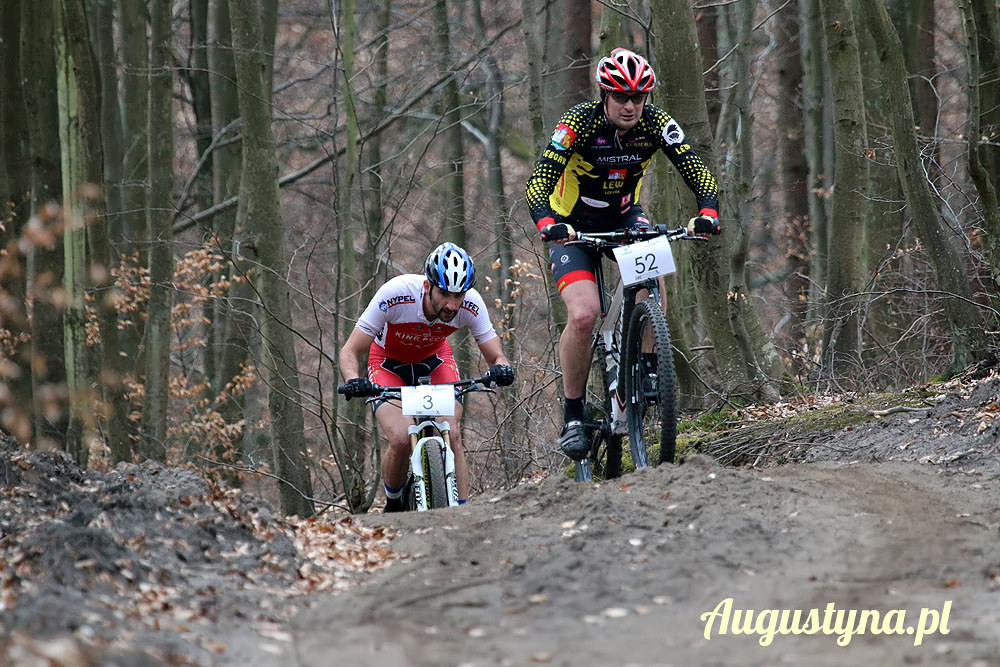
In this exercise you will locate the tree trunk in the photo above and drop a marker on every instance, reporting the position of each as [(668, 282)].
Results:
[(915, 23), (708, 41), (885, 234), (454, 155), (375, 260), (15, 187), (156, 398), (529, 22), (536, 112), (612, 33), (229, 330), (231, 318), (814, 111), (840, 328), (259, 194), (82, 165), (105, 231), (101, 13), (350, 457), (134, 55), (759, 354), (794, 176), (988, 32), (14, 183), (967, 333), (682, 93), (134, 111), (578, 84), (513, 455), (978, 152), (197, 76), (45, 260)]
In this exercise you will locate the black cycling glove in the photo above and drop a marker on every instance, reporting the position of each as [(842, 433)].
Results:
[(356, 388), (501, 375), (557, 232), (704, 225)]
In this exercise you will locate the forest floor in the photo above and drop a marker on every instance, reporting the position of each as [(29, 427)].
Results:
[(877, 517)]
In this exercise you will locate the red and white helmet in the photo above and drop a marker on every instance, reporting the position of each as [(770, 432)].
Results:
[(626, 72)]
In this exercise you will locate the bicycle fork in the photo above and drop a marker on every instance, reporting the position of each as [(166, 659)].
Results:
[(417, 445)]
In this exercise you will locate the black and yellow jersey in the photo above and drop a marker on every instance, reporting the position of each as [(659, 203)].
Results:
[(592, 175)]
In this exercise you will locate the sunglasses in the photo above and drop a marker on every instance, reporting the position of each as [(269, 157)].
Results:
[(622, 98)]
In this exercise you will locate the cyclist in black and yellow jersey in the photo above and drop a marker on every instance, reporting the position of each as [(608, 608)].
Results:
[(588, 178)]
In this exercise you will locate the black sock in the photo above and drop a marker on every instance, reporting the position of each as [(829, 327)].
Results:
[(573, 410)]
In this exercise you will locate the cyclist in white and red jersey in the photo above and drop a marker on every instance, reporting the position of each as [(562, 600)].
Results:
[(405, 329)]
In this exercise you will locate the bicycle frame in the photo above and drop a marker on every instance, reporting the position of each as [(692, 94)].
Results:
[(612, 333), (427, 437), (616, 314)]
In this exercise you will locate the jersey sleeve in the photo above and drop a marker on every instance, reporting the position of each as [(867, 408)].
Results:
[(480, 325), (374, 318), (691, 167), (552, 162)]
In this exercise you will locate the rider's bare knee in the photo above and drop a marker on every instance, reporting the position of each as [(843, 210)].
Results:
[(583, 317), (401, 445)]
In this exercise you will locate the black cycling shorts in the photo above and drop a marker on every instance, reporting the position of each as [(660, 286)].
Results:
[(571, 264)]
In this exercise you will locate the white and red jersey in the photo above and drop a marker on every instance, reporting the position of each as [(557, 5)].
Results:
[(395, 318)]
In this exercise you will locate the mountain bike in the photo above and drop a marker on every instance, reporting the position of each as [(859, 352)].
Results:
[(430, 482), (634, 395)]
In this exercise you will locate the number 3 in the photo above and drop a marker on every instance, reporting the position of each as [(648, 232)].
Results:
[(428, 402)]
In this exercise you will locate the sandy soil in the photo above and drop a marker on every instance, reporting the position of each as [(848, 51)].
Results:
[(895, 522)]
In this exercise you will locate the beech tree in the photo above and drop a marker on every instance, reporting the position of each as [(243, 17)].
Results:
[(968, 337), (259, 197)]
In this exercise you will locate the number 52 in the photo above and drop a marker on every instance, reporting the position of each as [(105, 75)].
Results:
[(645, 263)]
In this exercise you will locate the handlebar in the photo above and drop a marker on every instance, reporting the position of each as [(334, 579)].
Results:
[(631, 235), (462, 387)]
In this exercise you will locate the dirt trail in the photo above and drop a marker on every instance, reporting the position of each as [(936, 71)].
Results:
[(893, 521), (621, 573)]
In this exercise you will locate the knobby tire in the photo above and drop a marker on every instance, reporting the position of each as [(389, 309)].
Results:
[(651, 404), (434, 478)]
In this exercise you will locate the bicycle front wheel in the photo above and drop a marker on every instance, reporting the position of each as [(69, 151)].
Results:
[(650, 385), (434, 476)]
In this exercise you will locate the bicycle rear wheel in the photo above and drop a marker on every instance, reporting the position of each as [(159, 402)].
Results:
[(434, 476), (650, 385)]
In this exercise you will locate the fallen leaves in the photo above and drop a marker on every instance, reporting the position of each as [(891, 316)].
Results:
[(156, 549), (337, 551)]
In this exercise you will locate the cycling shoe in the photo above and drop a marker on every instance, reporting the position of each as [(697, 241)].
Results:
[(394, 505), (574, 441)]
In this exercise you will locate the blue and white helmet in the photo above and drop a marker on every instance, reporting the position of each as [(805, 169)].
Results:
[(450, 268)]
